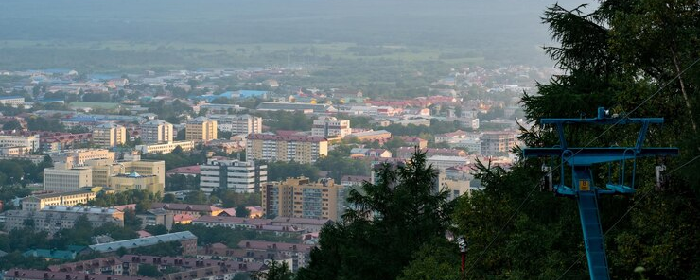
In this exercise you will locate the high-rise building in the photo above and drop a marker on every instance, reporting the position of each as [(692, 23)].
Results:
[(231, 174), (201, 129), (156, 131), (497, 143), (331, 128), (301, 149), (238, 124), (300, 198), (109, 135)]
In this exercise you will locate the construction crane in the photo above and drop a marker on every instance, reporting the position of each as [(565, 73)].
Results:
[(581, 160)]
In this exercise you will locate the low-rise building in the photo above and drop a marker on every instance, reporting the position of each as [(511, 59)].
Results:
[(186, 239), (13, 101), (55, 218), (165, 148), (190, 209), (71, 198), (136, 181)]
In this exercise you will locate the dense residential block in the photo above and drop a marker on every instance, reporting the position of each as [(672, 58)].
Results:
[(165, 148)]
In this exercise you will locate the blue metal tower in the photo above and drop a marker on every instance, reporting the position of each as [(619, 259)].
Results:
[(582, 188)]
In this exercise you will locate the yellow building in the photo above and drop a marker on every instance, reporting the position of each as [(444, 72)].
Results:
[(201, 129), (103, 170), (146, 167), (300, 198), (136, 181), (72, 198), (109, 135)]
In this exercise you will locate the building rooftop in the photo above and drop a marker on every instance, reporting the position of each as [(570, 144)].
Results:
[(50, 195), (286, 138), (142, 242), (185, 207), (48, 275), (80, 209)]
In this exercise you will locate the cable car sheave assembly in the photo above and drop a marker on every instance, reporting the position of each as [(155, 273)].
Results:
[(581, 188)]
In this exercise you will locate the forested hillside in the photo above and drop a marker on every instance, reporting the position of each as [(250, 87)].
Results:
[(638, 58)]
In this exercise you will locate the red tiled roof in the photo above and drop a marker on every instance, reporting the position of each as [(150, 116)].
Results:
[(195, 169), (49, 275)]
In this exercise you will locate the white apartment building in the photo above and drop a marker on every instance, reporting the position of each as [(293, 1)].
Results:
[(231, 174), (238, 124), (60, 179), (444, 162), (165, 148), (156, 131), (32, 142), (331, 127), (13, 101)]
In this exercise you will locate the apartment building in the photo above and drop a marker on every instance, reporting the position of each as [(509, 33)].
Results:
[(302, 149), (30, 142), (156, 131), (300, 198), (331, 127), (498, 142), (201, 129), (13, 101), (72, 198), (165, 148), (238, 124), (231, 174), (109, 135)]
